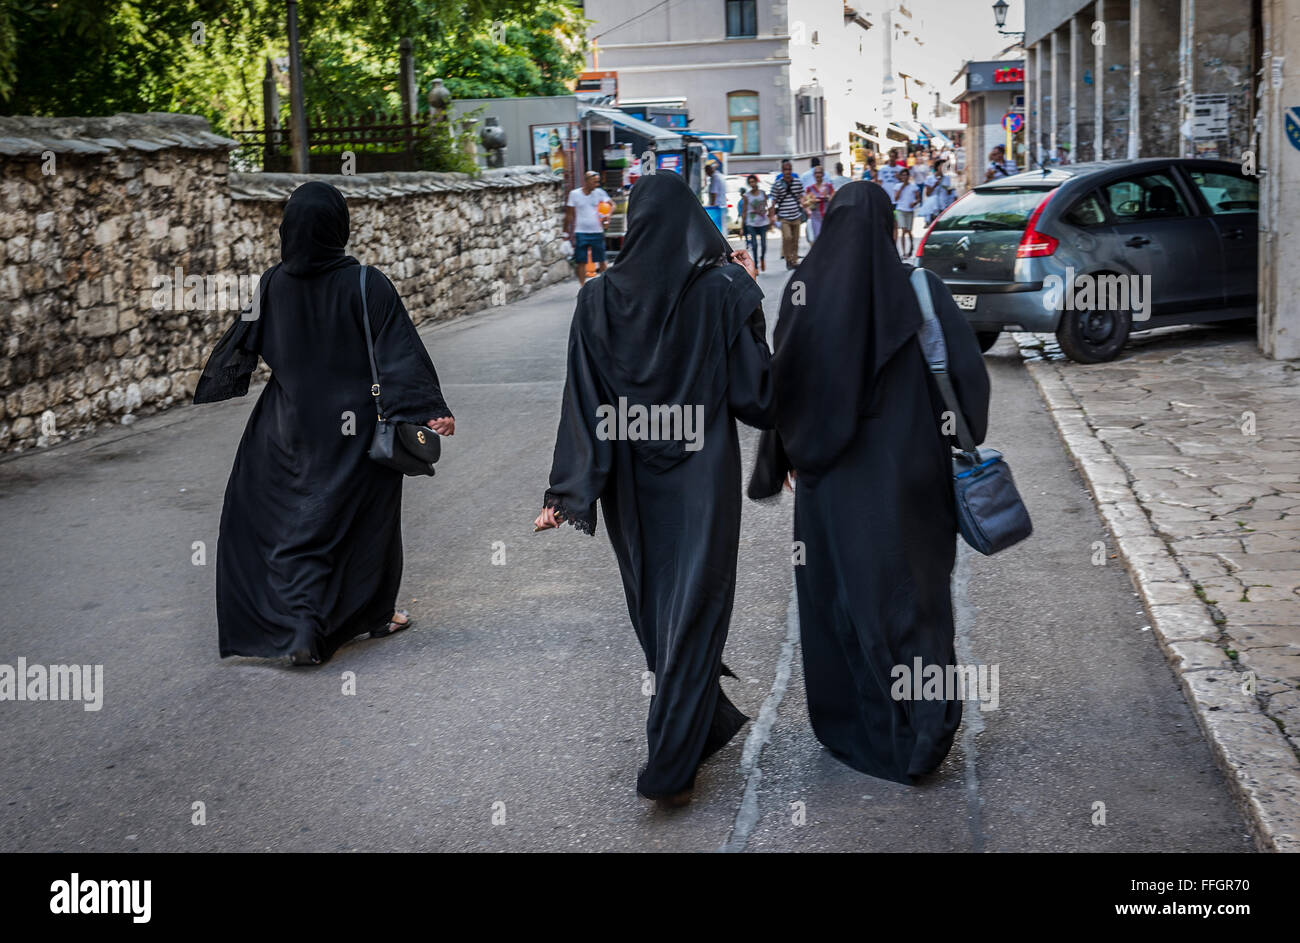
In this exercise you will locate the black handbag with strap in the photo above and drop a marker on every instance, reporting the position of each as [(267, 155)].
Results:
[(990, 514), (407, 447)]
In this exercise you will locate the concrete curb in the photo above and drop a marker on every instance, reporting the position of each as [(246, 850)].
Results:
[(1256, 758)]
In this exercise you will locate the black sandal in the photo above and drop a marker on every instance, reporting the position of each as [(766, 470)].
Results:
[(392, 628)]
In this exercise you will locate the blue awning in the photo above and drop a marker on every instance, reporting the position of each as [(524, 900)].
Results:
[(715, 140), (942, 139)]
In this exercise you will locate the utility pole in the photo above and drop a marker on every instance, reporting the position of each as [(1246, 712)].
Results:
[(297, 113)]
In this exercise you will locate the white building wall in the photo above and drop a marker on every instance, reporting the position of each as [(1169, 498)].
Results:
[(681, 50)]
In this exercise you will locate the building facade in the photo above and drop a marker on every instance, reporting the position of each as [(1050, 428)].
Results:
[(991, 90), (787, 79)]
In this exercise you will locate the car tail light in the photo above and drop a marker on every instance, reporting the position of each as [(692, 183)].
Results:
[(1034, 244), (921, 245)]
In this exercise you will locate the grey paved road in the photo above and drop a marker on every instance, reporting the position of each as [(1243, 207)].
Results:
[(518, 695)]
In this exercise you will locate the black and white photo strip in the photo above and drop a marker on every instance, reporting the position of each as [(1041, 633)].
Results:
[(862, 427)]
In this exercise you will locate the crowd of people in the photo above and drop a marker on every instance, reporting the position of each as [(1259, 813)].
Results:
[(920, 186)]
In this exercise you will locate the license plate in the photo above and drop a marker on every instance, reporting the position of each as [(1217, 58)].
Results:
[(965, 302)]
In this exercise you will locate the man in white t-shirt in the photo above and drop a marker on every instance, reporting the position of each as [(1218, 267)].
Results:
[(939, 194), (906, 197), (716, 185), (584, 224)]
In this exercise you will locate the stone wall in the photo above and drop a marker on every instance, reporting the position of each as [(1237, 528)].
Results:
[(126, 248)]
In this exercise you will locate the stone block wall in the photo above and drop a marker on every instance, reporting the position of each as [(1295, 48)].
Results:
[(126, 248)]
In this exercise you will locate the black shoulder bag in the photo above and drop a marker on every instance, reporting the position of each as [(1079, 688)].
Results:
[(407, 447), (990, 514)]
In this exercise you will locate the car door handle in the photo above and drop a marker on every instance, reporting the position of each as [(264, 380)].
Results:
[(1235, 233), (1137, 241)]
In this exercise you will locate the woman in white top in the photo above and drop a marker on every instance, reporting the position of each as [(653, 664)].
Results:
[(939, 194)]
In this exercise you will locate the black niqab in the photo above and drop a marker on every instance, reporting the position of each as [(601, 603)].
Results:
[(651, 338), (314, 230), (845, 312)]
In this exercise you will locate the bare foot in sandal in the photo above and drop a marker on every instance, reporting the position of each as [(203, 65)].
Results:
[(401, 619)]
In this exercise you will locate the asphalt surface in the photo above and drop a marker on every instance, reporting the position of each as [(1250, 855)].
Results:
[(511, 717)]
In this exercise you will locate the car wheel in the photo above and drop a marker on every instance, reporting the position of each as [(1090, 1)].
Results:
[(1093, 336), (987, 339)]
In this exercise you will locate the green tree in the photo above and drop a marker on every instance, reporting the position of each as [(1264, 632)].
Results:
[(96, 57)]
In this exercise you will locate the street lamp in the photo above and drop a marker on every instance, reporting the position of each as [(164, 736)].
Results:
[(1000, 18)]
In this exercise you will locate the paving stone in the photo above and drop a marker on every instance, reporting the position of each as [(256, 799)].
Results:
[(1221, 589), (1125, 519), (1263, 613), (1163, 593), (1183, 621), (1192, 655), (1206, 544), (1269, 543), (1264, 561), (1266, 635)]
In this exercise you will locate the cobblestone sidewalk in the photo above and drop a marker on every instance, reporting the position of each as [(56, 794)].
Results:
[(1190, 444)]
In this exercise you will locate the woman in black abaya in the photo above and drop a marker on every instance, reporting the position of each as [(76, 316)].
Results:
[(310, 549), (861, 422), (671, 323)]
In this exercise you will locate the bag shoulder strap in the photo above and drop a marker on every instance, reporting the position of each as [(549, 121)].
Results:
[(370, 346), (935, 348)]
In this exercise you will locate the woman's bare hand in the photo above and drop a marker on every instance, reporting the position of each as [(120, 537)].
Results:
[(546, 520), (789, 480), (444, 426), (742, 258)]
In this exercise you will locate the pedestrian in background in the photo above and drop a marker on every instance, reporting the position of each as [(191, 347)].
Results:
[(838, 179), (584, 224), (999, 166), (906, 198), (806, 178), (754, 219), (310, 548), (716, 185), (939, 192), (677, 322), (786, 205), (869, 172), (887, 173), (860, 422), (818, 196)]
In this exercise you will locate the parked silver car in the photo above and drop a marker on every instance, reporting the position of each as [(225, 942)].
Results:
[(1094, 251)]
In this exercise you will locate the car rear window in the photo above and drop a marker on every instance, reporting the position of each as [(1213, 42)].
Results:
[(1003, 208)]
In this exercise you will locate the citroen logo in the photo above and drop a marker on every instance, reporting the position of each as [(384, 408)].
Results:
[(963, 243)]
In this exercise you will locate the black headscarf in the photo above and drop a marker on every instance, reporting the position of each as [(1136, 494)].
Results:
[(651, 337), (857, 311), (314, 230), (313, 234)]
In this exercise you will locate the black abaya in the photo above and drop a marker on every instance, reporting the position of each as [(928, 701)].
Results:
[(861, 420), (310, 548), (668, 324)]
